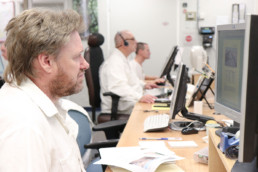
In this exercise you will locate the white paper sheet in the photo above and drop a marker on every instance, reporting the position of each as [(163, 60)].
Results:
[(182, 144), (134, 158)]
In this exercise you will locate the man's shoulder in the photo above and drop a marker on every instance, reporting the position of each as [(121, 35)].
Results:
[(134, 63), (113, 62)]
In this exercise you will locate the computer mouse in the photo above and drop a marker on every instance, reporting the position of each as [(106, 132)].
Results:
[(189, 130)]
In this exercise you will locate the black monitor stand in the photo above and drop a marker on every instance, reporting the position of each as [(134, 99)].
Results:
[(194, 116)]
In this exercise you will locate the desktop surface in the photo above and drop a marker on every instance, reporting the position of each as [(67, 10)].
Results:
[(134, 131)]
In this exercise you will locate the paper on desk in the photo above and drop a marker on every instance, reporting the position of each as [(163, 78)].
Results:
[(157, 146), (166, 167), (133, 158), (182, 144)]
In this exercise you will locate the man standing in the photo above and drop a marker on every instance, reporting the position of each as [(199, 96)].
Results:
[(116, 76), (44, 64)]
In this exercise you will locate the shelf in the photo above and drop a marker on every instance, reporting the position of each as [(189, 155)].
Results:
[(217, 160)]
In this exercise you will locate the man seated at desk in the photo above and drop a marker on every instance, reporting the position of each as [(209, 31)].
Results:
[(143, 53), (116, 76)]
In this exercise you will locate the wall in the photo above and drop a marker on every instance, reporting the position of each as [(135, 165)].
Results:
[(162, 24), (151, 21), (212, 13)]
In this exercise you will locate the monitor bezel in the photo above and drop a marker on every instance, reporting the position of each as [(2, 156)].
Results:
[(229, 112), (176, 92), (249, 120), (169, 62)]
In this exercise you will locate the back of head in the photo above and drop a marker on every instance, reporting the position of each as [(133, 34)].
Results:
[(37, 31), (125, 42), (140, 46), (121, 37)]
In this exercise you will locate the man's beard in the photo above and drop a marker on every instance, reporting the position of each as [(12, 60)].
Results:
[(62, 85)]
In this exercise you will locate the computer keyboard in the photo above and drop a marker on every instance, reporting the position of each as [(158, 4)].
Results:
[(155, 91), (156, 122), (162, 100)]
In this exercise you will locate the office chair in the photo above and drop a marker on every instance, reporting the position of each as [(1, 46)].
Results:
[(84, 137), (94, 56)]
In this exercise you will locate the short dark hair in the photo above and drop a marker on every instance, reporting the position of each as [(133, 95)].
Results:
[(140, 46)]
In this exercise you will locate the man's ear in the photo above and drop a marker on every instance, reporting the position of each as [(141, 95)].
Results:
[(46, 62)]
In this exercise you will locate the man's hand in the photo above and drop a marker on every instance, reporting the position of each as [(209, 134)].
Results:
[(154, 83), (148, 99), (159, 80), (150, 85)]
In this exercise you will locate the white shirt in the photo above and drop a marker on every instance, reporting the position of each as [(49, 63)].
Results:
[(116, 76), (137, 68), (35, 134)]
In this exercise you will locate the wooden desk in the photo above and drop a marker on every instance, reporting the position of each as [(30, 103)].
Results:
[(134, 130)]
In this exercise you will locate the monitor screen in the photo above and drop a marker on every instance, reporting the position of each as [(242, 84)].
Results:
[(229, 69), (179, 93), (236, 85), (168, 66)]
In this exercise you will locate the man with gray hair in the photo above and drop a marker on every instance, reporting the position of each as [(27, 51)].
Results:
[(44, 52), (116, 76)]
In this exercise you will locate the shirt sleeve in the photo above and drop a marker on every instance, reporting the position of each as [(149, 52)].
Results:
[(122, 82)]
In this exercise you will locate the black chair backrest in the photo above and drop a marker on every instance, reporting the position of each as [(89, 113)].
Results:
[(94, 56)]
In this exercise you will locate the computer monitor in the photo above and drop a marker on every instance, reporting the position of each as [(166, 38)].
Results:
[(178, 99), (168, 66), (236, 85), (180, 89), (229, 68)]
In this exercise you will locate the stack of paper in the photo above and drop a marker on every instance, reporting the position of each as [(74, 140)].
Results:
[(138, 159)]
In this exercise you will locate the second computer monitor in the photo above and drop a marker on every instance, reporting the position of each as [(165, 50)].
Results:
[(180, 89), (178, 98), (168, 66)]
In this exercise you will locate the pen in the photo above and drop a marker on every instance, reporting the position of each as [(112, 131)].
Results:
[(161, 138), (151, 111)]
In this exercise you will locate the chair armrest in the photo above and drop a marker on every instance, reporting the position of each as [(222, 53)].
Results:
[(110, 124), (114, 107), (102, 144), (111, 128), (111, 94)]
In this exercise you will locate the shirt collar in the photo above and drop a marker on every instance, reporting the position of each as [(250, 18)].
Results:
[(39, 97), (117, 51)]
